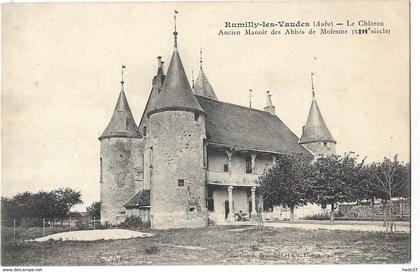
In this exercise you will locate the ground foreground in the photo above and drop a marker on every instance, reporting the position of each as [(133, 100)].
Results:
[(219, 245)]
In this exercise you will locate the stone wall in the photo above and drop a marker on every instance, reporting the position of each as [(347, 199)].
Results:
[(401, 209), (320, 149), (177, 173), (121, 169)]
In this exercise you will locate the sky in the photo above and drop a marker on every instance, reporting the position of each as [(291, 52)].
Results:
[(62, 70)]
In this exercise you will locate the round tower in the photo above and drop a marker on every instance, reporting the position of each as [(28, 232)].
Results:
[(176, 135), (315, 134), (121, 162)]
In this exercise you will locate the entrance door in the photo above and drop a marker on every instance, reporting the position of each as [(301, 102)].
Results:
[(226, 209)]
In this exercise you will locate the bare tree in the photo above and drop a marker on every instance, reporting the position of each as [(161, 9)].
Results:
[(391, 178)]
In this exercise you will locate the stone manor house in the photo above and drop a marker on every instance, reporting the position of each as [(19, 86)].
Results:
[(194, 158)]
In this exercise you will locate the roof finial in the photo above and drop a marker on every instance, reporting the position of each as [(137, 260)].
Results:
[(269, 103), (201, 58), (122, 77), (250, 98), (192, 73), (175, 33), (313, 89)]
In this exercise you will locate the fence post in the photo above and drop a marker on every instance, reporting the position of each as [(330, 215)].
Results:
[(94, 223), (70, 223), (43, 226), (14, 229)]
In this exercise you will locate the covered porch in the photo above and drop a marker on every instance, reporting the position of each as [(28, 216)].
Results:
[(224, 201)]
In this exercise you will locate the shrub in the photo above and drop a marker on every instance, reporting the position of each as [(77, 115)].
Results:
[(151, 250)]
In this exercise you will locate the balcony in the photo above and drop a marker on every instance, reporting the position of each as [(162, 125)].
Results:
[(233, 179)]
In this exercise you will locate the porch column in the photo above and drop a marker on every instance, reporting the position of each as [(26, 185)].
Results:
[(253, 210), (231, 211), (253, 157)]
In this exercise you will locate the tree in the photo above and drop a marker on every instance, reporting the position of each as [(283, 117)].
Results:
[(391, 178), (286, 183), (334, 179), (65, 199), (48, 205), (94, 210)]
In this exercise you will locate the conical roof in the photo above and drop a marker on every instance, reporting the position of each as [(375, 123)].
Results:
[(176, 91), (203, 87), (315, 129), (122, 123)]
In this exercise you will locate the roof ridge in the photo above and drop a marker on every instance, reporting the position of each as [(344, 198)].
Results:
[(236, 105)]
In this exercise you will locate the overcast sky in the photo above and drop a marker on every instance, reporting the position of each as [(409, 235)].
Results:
[(61, 73)]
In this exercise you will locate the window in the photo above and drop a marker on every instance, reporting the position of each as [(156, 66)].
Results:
[(180, 182), (126, 123), (100, 173), (226, 167), (151, 157), (196, 116), (210, 200), (248, 165), (204, 153), (325, 143), (144, 131)]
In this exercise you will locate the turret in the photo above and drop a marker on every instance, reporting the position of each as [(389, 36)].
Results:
[(269, 107), (202, 85), (121, 161), (176, 139), (315, 134)]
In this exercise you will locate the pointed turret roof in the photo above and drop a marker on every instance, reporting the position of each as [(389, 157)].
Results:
[(122, 123), (202, 85), (315, 129), (176, 91)]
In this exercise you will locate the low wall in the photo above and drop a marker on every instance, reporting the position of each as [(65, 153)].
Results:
[(401, 209)]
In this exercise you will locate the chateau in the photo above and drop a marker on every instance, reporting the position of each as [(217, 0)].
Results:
[(194, 158)]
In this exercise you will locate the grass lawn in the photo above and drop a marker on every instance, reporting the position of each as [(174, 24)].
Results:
[(219, 245)]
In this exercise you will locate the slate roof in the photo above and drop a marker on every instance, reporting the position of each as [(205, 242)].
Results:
[(141, 199), (203, 87), (122, 123), (315, 129), (247, 128), (176, 92)]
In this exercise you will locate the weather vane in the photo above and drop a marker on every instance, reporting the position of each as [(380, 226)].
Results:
[(122, 75)]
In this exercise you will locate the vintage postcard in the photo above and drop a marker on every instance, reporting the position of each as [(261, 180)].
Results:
[(204, 133)]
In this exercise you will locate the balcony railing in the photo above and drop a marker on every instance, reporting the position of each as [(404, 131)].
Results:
[(224, 178)]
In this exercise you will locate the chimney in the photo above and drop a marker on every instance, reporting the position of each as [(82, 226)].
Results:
[(160, 68), (269, 105)]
